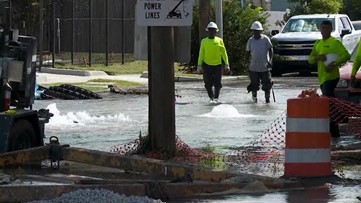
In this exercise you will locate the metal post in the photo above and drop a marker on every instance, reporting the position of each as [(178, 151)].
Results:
[(90, 33), (163, 96), (219, 18), (10, 14), (106, 34), (58, 33), (41, 32), (149, 52), (72, 32), (123, 10), (54, 37)]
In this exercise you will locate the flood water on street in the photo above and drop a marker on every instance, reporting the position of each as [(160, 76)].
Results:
[(118, 119)]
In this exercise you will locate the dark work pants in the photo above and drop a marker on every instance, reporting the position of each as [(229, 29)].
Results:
[(258, 78), (328, 87), (212, 76)]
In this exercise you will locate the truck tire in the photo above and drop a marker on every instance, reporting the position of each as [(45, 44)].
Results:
[(305, 73), (276, 72), (22, 136)]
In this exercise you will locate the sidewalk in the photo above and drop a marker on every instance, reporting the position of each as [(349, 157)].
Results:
[(48, 78), (50, 75)]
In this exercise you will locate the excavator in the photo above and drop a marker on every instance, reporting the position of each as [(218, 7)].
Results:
[(176, 13), (21, 127)]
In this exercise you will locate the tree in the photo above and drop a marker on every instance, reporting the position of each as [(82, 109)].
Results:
[(325, 6), (314, 6), (204, 16), (237, 23), (25, 15), (352, 9)]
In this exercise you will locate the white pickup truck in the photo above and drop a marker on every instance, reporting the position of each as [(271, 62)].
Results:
[(294, 43)]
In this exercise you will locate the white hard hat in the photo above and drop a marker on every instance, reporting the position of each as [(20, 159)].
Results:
[(256, 26), (212, 25)]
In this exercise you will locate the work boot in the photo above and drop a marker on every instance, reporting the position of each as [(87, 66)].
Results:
[(254, 99), (267, 100), (254, 96)]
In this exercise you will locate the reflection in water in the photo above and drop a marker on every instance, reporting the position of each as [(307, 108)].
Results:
[(309, 195), (279, 197), (323, 194), (347, 194)]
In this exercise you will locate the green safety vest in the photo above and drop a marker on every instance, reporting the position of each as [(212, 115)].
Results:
[(328, 46), (212, 51), (357, 61)]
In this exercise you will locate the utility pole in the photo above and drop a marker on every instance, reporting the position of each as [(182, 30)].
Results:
[(90, 34), (41, 32), (204, 17), (219, 18), (161, 57), (161, 95), (263, 4), (72, 32)]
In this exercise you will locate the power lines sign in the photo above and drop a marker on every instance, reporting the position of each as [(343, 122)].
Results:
[(164, 12)]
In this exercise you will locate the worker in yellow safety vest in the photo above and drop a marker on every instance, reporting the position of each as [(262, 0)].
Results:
[(329, 53), (212, 56)]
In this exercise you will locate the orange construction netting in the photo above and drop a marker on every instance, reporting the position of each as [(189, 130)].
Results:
[(345, 112), (265, 154)]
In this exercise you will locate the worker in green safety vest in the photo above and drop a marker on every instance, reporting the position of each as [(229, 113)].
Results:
[(356, 65), (212, 57), (329, 53)]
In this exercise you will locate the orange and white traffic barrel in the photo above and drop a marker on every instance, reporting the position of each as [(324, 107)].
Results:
[(308, 139)]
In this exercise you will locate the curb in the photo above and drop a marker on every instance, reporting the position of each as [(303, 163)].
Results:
[(176, 78), (186, 79), (197, 79), (72, 72)]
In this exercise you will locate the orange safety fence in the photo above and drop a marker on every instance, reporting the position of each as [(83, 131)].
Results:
[(265, 154), (345, 112)]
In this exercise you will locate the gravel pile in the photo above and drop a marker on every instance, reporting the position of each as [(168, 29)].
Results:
[(103, 196)]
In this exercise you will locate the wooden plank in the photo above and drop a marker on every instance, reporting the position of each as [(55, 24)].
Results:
[(22, 157), (151, 166)]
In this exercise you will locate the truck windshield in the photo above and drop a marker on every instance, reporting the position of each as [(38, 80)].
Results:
[(306, 24)]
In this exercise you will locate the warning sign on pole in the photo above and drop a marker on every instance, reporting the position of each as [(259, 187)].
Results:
[(164, 12)]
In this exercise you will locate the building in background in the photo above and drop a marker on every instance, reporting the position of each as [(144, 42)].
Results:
[(276, 10)]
